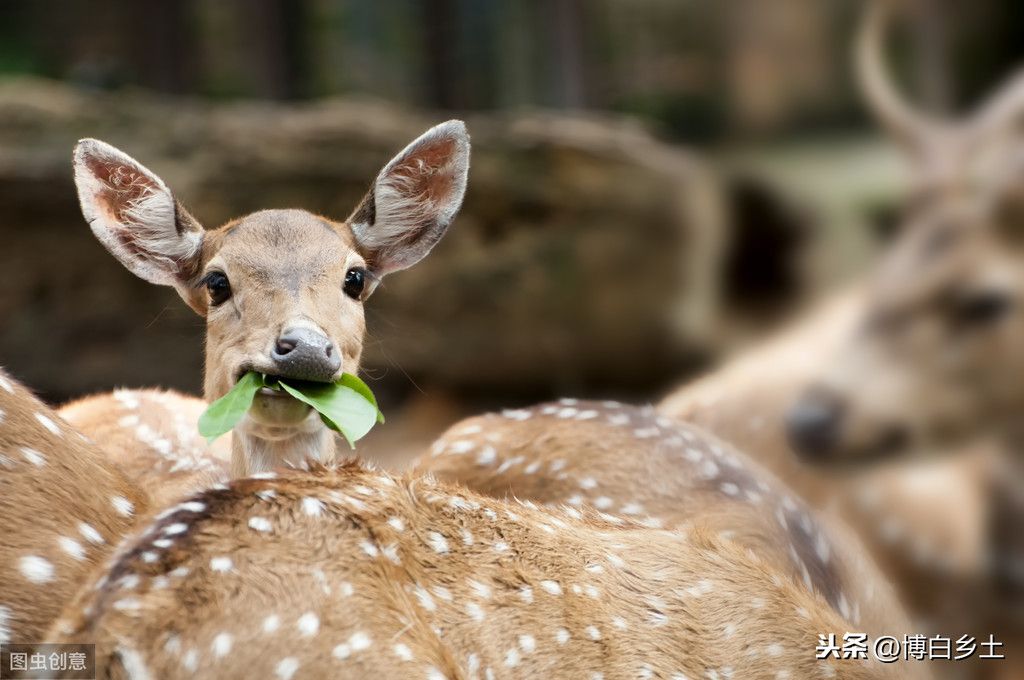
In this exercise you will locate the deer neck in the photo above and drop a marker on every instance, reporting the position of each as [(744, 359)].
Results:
[(255, 449)]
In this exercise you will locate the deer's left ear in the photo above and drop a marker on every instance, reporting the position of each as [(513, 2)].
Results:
[(414, 199)]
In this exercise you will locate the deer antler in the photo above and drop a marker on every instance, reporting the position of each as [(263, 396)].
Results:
[(914, 129), (999, 113)]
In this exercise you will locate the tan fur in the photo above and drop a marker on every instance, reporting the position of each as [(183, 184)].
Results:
[(372, 576), (152, 437), (286, 270), (63, 506), (631, 462)]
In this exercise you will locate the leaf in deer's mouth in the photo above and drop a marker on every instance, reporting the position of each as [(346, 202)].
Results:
[(346, 406)]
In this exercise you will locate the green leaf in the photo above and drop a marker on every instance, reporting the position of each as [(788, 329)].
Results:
[(346, 406), (352, 382), (222, 415)]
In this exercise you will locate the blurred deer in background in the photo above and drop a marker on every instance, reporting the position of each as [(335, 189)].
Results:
[(64, 507), (939, 354), (282, 291), (349, 573), (924, 525)]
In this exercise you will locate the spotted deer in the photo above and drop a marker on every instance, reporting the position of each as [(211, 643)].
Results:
[(629, 461), (282, 291), (938, 354), (64, 506), (922, 521), (346, 572), (152, 437)]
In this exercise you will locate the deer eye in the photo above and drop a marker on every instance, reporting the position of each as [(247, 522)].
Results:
[(355, 281), (983, 307), (218, 287)]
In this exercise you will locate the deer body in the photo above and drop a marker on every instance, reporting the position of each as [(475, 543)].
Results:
[(281, 290), (351, 573), (152, 437), (64, 507), (923, 522), (631, 462)]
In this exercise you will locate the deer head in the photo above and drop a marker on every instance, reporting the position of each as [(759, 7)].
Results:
[(940, 351), (282, 291)]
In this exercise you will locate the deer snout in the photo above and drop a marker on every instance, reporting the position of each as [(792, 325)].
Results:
[(813, 425), (305, 354)]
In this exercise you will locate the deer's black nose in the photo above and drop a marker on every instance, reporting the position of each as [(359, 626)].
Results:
[(305, 354), (813, 425)]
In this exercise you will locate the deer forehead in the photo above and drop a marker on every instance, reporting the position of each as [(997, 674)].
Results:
[(282, 248)]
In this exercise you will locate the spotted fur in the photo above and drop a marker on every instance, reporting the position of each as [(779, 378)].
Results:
[(535, 593), (629, 461), (153, 438), (64, 506)]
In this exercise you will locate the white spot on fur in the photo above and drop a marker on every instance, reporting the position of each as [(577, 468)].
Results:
[(551, 587), (309, 624), (191, 660), (286, 667), (397, 523), (562, 636), (475, 611), (527, 643), (403, 652), (36, 569), (259, 524), (487, 456), (313, 507), (221, 564), (33, 456), (426, 601), (512, 658), (123, 506), (461, 446), (481, 589), (359, 641), (221, 646), (48, 423), (271, 623), (438, 542), (593, 633), (71, 547), (134, 666)]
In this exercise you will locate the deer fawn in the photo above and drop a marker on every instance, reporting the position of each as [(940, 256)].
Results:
[(152, 437), (349, 573), (282, 291), (661, 473), (64, 507)]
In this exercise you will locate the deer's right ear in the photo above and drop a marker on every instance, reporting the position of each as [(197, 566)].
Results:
[(135, 216), (414, 199)]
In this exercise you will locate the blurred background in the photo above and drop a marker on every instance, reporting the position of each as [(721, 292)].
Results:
[(654, 182), (656, 186)]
